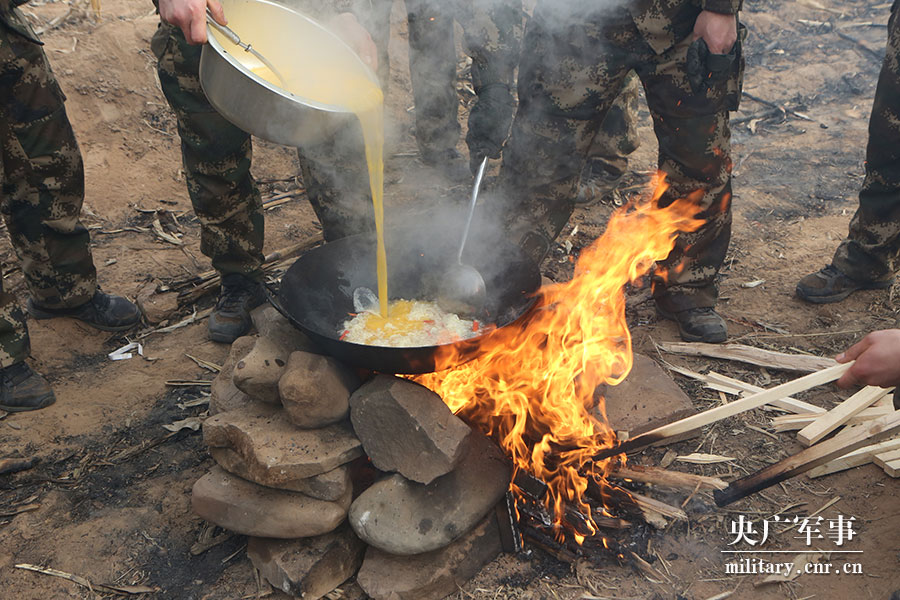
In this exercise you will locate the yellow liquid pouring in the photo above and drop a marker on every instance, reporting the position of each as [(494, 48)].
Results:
[(339, 83)]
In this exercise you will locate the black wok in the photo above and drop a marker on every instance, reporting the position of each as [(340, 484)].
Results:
[(316, 292)]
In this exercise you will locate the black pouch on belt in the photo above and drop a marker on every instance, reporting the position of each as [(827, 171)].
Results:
[(706, 70)]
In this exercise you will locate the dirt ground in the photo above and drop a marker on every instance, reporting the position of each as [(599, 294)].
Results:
[(109, 499)]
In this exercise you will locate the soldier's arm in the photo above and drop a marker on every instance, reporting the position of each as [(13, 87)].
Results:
[(190, 16), (877, 359)]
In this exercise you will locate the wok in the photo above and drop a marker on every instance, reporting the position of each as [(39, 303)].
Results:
[(316, 292)]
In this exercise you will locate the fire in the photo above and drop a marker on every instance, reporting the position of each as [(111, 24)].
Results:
[(532, 388)]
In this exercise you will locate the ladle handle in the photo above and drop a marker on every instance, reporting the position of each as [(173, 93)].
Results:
[(465, 236), (224, 30)]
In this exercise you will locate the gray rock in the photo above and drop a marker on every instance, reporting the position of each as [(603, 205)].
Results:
[(433, 575), (315, 390), (250, 509), (329, 486), (404, 517), (407, 428), (308, 568), (223, 394), (275, 451)]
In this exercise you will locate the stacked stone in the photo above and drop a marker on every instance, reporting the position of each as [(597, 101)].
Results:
[(289, 426)]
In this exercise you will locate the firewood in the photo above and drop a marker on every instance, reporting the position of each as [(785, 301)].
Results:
[(669, 479), (789, 404), (883, 458), (840, 414), (652, 504), (799, 421), (809, 458), (749, 354), (892, 468), (726, 410), (729, 385), (859, 457)]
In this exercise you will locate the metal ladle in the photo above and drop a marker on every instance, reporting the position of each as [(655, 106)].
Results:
[(236, 40), (462, 289)]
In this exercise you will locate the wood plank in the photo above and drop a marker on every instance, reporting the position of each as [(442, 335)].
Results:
[(892, 468), (859, 457), (666, 478), (749, 354), (799, 421), (726, 410), (840, 414), (646, 502), (810, 458), (789, 404), (723, 383), (883, 458)]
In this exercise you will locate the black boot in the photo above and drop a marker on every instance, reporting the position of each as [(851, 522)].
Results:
[(230, 319), (22, 389), (103, 311), (830, 284), (698, 324)]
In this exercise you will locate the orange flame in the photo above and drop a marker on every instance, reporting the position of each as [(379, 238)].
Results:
[(532, 387)]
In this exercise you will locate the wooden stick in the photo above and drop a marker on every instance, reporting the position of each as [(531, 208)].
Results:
[(669, 479), (861, 456), (729, 385), (667, 510), (810, 457), (886, 457), (840, 414), (790, 404), (726, 410), (892, 468), (799, 421), (749, 354)]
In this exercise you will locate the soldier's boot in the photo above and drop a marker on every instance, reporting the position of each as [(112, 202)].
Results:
[(106, 312), (830, 284), (698, 324), (600, 183), (230, 319), (22, 389)]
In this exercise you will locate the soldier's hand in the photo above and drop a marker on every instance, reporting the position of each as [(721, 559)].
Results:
[(877, 359), (718, 30), (489, 122), (348, 28), (190, 16)]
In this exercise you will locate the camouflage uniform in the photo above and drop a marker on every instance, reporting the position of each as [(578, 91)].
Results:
[(42, 185), (492, 35), (217, 158), (572, 69), (617, 135), (872, 249)]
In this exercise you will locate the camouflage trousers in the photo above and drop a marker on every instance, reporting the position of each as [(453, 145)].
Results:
[(42, 178), (617, 136), (217, 157), (569, 76), (872, 249)]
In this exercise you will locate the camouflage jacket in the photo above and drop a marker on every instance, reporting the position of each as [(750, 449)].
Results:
[(12, 19), (666, 22)]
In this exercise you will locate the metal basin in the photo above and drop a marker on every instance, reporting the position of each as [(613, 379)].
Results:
[(303, 51)]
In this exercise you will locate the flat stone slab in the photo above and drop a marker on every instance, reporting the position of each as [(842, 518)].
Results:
[(274, 451), (315, 390), (433, 575), (308, 568), (406, 428), (648, 398), (329, 486), (223, 394), (250, 509), (404, 517)]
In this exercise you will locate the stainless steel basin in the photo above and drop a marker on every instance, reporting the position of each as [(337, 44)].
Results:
[(300, 48)]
